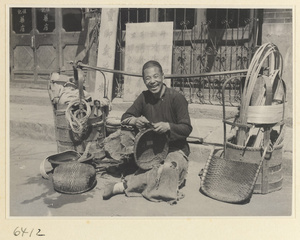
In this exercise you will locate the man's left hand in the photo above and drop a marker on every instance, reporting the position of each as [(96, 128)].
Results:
[(161, 127)]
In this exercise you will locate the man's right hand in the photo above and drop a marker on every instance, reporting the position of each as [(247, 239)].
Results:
[(141, 122)]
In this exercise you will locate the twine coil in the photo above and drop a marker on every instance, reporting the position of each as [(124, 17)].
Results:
[(78, 119)]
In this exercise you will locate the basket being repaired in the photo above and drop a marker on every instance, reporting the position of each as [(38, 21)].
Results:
[(150, 148)]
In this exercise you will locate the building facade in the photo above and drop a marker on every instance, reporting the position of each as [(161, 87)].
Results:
[(45, 40)]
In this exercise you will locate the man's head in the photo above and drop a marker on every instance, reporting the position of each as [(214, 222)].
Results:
[(153, 76)]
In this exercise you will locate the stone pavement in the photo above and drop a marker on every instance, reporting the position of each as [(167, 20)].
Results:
[(32, 139)]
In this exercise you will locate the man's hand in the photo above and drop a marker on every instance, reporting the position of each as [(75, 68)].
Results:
[(141, 122), (161, 127)]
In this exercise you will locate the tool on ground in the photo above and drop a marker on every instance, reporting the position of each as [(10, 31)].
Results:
[(194, 139)]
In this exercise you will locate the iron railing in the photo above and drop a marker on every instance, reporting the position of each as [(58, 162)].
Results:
[(204, 48)]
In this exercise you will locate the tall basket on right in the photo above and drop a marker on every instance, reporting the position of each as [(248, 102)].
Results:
[(260, 122)]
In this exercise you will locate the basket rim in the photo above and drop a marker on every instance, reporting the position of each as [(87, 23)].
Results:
[(78, 192), (240, 147), (71, 152)]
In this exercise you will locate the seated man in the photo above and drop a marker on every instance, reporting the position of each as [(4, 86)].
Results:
[(167, 111)]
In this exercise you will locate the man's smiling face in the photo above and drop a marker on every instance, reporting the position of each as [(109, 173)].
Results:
[(153, 79)]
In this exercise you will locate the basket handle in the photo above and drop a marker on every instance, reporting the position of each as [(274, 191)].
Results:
[(43, 168), (224, 112)]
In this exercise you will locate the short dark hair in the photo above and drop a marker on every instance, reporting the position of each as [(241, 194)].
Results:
[(152, 63)]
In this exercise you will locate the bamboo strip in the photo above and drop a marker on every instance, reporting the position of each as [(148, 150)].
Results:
[(265, 52), (265, 114), (259, 138)]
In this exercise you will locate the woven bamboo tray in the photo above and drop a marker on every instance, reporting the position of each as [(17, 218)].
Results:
[(228, 180)]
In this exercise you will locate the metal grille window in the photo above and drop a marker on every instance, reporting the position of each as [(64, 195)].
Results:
[(223, 41), (132, 15), (233, 18), (179, 16)]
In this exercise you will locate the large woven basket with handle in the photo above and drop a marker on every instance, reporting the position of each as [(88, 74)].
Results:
[(150, 148), (232, 177)]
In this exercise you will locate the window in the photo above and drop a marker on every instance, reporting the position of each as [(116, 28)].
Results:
[(45, 19), (179, 16), (72, 19), (21, 20), (235, 18), (132, 15)]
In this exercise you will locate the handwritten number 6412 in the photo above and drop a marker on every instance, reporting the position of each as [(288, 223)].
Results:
[(20, 231)]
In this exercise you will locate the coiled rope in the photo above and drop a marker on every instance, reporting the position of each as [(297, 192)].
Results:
[(77, 116), (78, 110)]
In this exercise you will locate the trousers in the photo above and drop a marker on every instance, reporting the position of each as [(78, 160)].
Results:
[(161, 183)]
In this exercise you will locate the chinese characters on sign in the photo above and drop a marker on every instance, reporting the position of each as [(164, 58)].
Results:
[(144, 42), (22, 22), (22, 13), (45, 20), (106, 53)]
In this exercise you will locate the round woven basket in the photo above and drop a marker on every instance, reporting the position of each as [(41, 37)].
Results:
[(74, 178), (150, 148)]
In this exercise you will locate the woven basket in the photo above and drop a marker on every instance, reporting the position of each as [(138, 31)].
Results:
[(74, 178), (150, 148), (252, 155), (229, 181), (65, 137)]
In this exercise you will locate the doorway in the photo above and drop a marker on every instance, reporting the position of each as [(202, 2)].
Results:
[(45, 40)]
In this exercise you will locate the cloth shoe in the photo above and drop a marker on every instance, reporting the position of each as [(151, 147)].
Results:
[(112, 189)]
